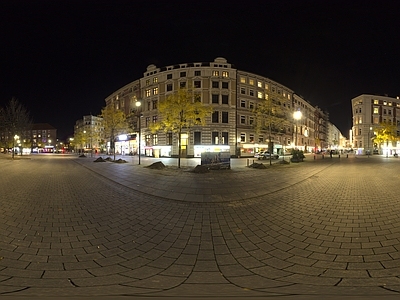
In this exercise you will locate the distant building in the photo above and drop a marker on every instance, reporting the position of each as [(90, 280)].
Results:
[(88, 134), (43, 137), (368, 112), (233, 94)]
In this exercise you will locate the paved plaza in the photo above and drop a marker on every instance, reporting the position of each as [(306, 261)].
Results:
[(324, 228)]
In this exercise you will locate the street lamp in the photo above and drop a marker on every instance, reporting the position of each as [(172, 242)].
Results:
[(297, 116), (138, 104), (369, 134)]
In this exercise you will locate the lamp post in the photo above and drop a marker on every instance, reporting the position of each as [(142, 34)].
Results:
[(138, 104), (369, 134), (297, 116)]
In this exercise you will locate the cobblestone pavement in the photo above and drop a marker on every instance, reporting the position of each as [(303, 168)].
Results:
[(323, 228)]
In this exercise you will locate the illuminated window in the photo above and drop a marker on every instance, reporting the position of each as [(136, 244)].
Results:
[(215, 73), (384, 103), (242, 79), (251, 81), (155, 119), (155, 80), (376, 120), (148, 93), (155, 139), (266, 96), (224, 74), (259, 84), (155, 91), (376, 101), (266, 86), (288, 96), (259, 95), (359, 120), (390, 103)]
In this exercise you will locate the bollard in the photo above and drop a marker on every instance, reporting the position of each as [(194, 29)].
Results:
[(322, 156), (314, 157), (347, 156)]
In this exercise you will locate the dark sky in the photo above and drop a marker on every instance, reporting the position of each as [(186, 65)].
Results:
[(61, 59)]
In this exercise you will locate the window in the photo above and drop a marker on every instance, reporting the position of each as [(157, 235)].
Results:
[(169, 138), (225, 138), (148, 105), (147, 81), (225, 85), (155, 119), (169, 76), (251, 105), (242, 80), (260, 138), (242, 103), (147, 139), (251, 120), (251, 81), (259, 95), (215, 98), (251, 138), (155, 80), (225, 74), (242, 119), (215, 117), (155, 102), (182, 84), (197, 138), (215, 84), (148, 93), (169, 87), (183, 74), (243, 91), (242, 137), (224, 117), (259, 84), (155, 91), (215, 73), (197, 84), (147, 121), (251, 92), (225, 99), (197, 73), (155, 139), (214, 135)]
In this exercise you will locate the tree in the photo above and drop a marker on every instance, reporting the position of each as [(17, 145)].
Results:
[(385, 133), (114, 121), (271, 116), (181, 110), (15, 121)]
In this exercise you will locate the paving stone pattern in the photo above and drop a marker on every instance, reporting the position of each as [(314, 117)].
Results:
[(71, 227)]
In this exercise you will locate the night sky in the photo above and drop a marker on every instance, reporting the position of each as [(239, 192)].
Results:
[(61, 59)]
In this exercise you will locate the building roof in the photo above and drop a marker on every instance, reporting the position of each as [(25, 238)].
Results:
[(42, 126)]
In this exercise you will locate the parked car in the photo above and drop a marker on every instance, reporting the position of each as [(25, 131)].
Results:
[(265, 155)]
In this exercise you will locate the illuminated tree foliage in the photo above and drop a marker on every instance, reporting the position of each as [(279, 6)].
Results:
[(179, 111), (271, 116), (385, 133), (114, 121), (14, 120)]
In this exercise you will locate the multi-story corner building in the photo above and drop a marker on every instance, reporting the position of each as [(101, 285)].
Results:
[(89, 134), (368, 112), (233, 94)]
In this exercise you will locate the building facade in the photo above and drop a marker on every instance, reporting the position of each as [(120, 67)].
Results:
[(89, 134), (368, 112), (233, 94)]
